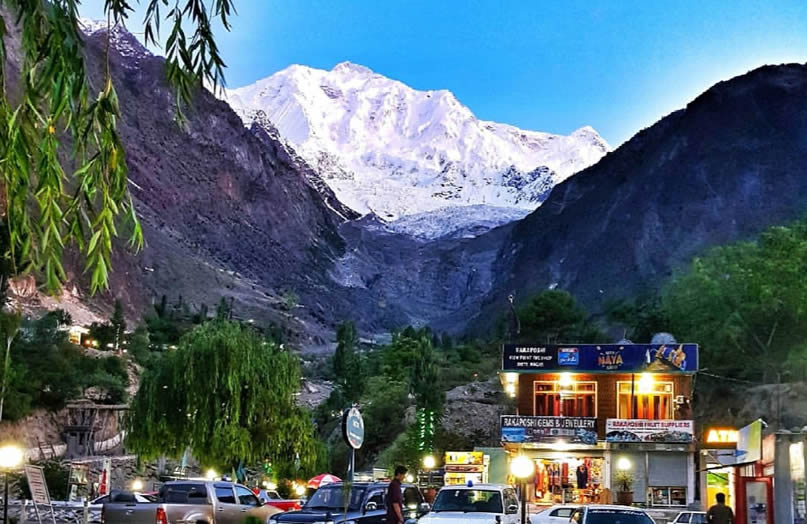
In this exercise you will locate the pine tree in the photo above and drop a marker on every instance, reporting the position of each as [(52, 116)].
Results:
[(347, 363)]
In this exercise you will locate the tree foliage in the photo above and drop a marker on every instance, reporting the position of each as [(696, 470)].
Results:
[(47, 370), (347, 363), (51, 199), (745, 303), (554, 316), (226, 394)]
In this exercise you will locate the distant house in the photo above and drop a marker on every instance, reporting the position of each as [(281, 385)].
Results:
[(76, 334)]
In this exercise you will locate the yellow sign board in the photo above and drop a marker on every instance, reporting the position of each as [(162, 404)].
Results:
[(721, 437), (464, 457)]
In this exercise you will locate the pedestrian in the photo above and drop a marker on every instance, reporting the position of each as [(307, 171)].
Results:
[(720, 513), (395, 497)]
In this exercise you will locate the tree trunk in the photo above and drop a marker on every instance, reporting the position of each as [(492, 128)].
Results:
[(6, 366)]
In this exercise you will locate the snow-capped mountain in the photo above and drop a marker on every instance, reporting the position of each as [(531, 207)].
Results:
[(386, 148)]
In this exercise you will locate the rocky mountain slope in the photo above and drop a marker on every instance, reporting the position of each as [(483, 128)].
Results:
[(733, 162), (386, 148), (724, 168), (235, 212), (226, 212)]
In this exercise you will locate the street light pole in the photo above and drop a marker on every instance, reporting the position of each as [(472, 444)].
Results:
[(10, 457), (5, 497), (522, 468)]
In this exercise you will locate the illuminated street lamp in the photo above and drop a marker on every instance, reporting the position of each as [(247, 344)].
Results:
[(211, 474), (10, 459), (429, 462), (137, 485), (522, 468)]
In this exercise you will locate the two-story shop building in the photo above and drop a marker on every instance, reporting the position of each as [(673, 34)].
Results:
[(585, 412)]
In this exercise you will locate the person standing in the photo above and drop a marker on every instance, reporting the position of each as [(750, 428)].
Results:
[(395, 497), (720, 513)]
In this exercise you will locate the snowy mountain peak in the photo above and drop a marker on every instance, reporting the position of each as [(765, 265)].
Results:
[(385, 147), (349, 68)]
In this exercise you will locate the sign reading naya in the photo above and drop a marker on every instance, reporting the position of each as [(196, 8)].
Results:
[(549, 429), (633, 430), (593, 358)]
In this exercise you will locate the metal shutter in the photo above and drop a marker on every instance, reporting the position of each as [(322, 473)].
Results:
[(668, 469)]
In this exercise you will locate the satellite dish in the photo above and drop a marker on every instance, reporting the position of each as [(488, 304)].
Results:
[(663, 338)]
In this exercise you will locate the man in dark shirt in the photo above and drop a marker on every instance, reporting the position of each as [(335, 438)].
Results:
[(720, 513), (395, 497)]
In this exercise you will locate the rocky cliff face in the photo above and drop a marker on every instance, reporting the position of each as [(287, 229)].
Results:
[(722, 169), (225, 212)]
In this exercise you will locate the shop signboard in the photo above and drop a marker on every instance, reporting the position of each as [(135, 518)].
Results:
[(720, 438), (601, 358), (639, 430), (465, 457), (520, 429)]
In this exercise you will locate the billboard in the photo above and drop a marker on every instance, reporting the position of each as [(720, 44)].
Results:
[(598, 358), (640, 430), (520, 429)]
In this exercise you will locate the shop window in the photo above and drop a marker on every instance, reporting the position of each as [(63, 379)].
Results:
[(575, 399), (668, 496), (655, 404)]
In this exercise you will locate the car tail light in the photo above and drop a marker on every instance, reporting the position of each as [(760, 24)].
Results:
[(161, 518)]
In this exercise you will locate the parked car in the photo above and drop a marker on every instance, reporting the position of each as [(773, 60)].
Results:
[(555, 515), (273, 498), (597, 514), (482, 502), (365, 504), (691, 517), (189, 501)]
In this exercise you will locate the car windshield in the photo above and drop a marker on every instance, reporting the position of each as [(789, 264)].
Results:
[(468, 501), (332, 498), (616, 516)]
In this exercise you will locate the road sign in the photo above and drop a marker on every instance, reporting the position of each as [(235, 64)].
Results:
[(353, 428)]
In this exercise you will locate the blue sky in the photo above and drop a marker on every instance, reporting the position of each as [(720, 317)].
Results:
[(617, 65)]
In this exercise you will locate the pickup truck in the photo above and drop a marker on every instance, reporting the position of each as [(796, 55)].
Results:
[(190, 502)]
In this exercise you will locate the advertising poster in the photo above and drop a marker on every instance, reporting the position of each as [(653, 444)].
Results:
[(629, 430), (549, 429), (599, 358)]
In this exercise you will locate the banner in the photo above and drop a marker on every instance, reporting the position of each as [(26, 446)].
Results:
[(636, 430), (516, 428), (597, 358)]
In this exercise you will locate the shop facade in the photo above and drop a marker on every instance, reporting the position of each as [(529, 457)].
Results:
[(590, 414)]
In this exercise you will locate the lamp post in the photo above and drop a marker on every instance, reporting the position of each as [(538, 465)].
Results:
[(428, 464), (10, 458), (522, 468)]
